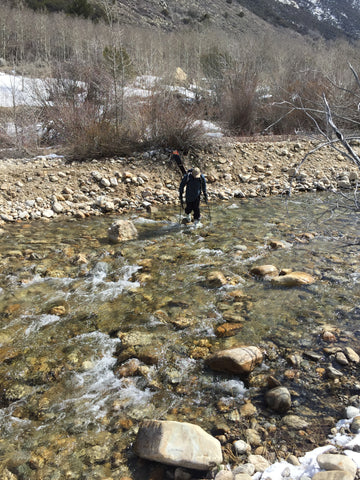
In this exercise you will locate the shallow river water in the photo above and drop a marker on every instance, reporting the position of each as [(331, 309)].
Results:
[(95, 337)]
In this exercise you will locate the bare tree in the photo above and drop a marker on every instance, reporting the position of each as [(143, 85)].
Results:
[(336, 130)]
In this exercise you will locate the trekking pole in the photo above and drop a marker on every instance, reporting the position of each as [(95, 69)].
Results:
[(207, 203)]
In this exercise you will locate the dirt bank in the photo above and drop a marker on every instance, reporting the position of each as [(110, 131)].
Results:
[(49, 186)]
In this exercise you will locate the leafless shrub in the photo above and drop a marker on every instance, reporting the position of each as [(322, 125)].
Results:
[(239, 100), (171, 121), (300, 107)]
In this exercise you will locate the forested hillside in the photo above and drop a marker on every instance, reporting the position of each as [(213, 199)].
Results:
[(113, 87)]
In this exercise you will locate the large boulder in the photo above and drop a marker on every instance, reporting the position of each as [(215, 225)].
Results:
[(239, 360), (180, 444), (293, 279), (122, 230), (180, 76)]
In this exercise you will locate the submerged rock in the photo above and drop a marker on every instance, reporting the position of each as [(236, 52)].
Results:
[(180, 444), (278, 399), (241, 360), (215, 279), (293, 279), (264, 271), (228, 329)]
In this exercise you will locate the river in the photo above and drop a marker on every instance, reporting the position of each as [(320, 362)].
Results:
[(94, 337)]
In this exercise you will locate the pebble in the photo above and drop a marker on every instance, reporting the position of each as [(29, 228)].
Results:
[(241, 447)]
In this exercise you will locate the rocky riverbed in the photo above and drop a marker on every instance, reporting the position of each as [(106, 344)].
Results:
[(49, 185)]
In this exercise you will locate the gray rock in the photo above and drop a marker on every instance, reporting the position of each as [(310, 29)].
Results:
[(241, 447), (333, 372), (47, 213), (7, 218), (224, 475), (355, 425), (180, 444), (122, 230), (293, 460), (253, 437), (351, 355), (278, 399), (341, 358), (105, 182), (96, 175), (260, 463), (295, 422), (242, 476), (109, 206), (23, 215), (247, 468), (57, 207)]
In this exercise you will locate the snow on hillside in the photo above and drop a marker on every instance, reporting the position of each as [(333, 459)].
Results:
[(18, 90)]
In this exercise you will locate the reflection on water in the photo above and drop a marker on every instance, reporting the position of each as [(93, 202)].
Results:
[(94, 337)]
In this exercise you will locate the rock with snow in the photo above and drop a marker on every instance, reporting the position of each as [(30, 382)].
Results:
[(333, 475), (329, 461)]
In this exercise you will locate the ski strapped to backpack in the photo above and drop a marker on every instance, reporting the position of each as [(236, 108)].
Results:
[(176, 157)]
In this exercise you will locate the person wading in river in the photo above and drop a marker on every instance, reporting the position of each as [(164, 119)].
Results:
[(194, 182)]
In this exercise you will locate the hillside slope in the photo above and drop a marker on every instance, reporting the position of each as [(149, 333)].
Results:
[(327, 18)]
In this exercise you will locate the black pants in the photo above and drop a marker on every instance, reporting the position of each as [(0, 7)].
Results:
[(193, 207)]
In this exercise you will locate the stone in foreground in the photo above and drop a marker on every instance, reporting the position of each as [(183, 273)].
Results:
[(241, 360), (179, 444), (121, 231)]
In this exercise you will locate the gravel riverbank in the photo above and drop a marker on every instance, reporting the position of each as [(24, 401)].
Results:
[(49, 186)]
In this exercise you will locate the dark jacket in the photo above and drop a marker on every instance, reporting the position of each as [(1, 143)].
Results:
[(194, 187)]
